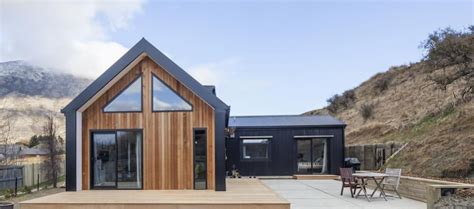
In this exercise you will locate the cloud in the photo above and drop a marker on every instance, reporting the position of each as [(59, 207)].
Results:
[(70, 36), (214, 73)]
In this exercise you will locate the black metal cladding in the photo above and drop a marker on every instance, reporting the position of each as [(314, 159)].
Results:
[(283, 160), (71, 151), (219, 142)]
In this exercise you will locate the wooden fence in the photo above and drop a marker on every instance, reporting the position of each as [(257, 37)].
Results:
[(31, 173), (24, 175), (372, 156), (11, 177)]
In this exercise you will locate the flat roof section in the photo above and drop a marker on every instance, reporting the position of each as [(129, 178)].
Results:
[(284, 121)]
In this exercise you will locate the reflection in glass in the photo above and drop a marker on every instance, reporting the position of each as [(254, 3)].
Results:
[(104, 159), (165, 99), (129, 100), (200, 158), (129, 160), (319, 155), (312, 155), (255, 149), (304, 156)]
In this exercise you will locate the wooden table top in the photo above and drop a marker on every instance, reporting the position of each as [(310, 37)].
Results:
[(370, 174)]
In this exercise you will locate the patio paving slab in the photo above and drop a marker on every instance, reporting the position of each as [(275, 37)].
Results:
[(313, 194)]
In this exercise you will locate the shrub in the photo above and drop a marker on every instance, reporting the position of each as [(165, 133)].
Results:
[(383, 82), (340, 102), (366, 111), (26, 190), (9, 193)]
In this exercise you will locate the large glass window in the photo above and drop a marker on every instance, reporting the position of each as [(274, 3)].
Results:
[(129, 100), (255, 149), (165, 99), (117, 160)]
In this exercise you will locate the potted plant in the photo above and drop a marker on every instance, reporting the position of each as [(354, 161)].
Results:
[(6, 205)]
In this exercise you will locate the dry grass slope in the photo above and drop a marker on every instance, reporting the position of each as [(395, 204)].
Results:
[(408, 107)]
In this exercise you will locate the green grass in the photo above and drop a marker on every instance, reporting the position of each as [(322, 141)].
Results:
[(43, 185), (424, 126)]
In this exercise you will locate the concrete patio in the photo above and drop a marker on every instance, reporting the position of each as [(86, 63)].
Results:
[(306, 194)]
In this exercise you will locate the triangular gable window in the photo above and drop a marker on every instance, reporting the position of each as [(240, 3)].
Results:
[(165, 99), (129, 100)]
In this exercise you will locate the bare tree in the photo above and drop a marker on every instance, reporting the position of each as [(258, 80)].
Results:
[(54, 145), (7, 149)]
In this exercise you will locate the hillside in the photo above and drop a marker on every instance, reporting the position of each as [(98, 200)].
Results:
[(28, 93), (428, 104)]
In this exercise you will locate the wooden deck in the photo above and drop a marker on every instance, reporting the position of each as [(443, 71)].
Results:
[(241, 193), (315, 177)]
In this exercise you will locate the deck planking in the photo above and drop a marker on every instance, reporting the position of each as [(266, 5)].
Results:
[(241, 193)]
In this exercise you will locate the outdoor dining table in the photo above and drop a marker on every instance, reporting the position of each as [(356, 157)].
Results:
[(376, 177)]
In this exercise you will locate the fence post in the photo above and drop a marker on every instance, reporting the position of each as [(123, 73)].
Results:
[(33, 176), (16, 186), (38, 183)]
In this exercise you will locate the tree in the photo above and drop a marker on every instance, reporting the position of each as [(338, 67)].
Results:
[(7, 152), (54, 146), (450, 56), (34, 140)]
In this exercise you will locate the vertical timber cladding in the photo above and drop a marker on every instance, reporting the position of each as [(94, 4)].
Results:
[(167, 136)]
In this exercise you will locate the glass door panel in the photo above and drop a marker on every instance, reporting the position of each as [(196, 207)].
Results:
[(104, 160), (303, 156), (319, 156), (200, 159), (129, 160)]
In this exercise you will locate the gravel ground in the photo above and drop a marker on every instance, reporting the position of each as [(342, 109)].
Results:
[(461, 200)]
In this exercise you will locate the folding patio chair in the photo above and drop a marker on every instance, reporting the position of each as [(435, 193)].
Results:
[(393, 180), (349, 181)]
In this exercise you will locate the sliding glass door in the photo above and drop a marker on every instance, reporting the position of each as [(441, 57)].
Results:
[(312, 156), (116, 160)]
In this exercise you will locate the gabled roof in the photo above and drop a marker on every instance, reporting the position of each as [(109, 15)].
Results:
[(143, 46), (284, 120)]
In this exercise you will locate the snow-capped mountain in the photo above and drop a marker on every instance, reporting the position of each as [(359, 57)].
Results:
[(23, 79), (28, 93)]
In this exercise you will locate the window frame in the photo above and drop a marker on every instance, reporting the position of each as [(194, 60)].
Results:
[(121, 91), (269, 148), (153, 75)]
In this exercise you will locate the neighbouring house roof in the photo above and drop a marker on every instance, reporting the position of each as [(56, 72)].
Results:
[(11, 149), (143, 46), (33, 151), (284, 120)]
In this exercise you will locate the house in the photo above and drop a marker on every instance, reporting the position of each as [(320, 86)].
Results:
[(145, 124), (285, 145)]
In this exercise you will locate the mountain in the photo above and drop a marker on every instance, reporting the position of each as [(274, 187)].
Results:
[(428, 105), (28, 93)]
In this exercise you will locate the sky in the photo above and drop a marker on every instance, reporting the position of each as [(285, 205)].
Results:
[(265, 57)]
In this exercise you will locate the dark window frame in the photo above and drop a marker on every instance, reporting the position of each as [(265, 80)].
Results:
[(194, 156), (91, 164), (153, 75), (121, 91), (269, 150)]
